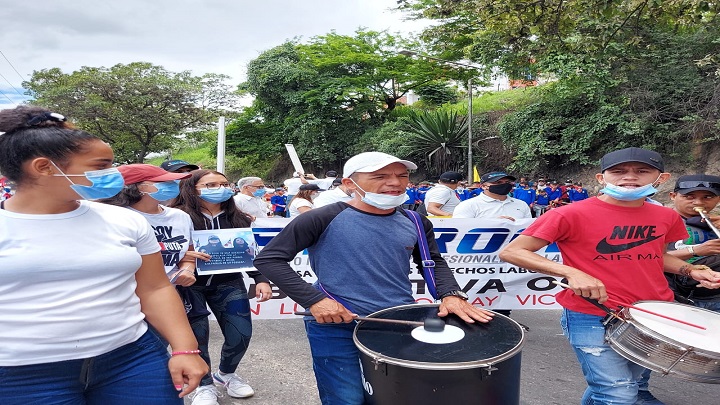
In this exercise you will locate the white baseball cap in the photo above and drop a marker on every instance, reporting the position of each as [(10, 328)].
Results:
[(368, 162)]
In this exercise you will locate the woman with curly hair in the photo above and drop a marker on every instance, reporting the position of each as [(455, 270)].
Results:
[(207, 197)]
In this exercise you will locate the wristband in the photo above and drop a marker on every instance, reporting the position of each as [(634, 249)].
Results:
[(685, 270), (691, 249), (179, 352)]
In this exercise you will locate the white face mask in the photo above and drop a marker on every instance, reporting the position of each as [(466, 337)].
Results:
[(382, 201)]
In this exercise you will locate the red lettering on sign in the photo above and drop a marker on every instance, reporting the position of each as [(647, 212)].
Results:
[(294, 309), (544, 299)]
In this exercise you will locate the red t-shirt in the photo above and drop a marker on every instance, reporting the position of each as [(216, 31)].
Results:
[(621, 246)]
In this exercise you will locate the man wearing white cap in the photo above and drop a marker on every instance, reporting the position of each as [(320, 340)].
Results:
[(360, 252)]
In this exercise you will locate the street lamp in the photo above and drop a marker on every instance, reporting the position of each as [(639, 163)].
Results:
[(470, 98)]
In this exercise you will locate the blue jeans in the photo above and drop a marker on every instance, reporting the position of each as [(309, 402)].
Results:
[(136, 373), (229, 302), (611, 378), (336, 362), (713, 304)]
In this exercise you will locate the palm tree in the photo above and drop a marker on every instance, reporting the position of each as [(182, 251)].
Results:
[(437, 137)]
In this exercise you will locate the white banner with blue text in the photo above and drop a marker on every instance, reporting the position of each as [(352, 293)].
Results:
[(470, 247)]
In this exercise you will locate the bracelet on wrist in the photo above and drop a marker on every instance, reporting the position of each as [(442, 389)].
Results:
[(181, 352), (691, 250)]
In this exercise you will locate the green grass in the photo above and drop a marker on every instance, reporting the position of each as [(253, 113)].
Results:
[(203, 156), (505, 100)]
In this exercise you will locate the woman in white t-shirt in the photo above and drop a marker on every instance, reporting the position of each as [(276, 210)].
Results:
[(145, 187), (303, 199), (80, 279)]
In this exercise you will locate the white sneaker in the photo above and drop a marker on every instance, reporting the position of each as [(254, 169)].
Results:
[(206, 395), (236, 386)]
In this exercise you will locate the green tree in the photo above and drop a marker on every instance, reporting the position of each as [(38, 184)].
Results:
[(436, 93), (138, 108), (323, 96), (438, 138), (640, 73)]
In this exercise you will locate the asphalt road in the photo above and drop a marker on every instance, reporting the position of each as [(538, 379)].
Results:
[(279, 368)]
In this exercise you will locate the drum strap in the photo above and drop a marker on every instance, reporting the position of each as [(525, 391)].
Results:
[(334, 298), (428, 265)]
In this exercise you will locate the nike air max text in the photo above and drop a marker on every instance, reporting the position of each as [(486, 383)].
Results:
[(632, 232)]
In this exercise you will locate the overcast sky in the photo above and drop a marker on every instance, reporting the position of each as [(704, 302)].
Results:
[(210, 36)]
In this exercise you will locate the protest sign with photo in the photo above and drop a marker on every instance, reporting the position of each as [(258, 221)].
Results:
[(231, 250)]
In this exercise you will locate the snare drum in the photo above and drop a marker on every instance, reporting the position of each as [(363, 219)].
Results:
[(669, 347), (482, 366)]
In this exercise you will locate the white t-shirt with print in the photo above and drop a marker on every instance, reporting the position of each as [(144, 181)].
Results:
[(173, 231), (297, 203), (67, 283)]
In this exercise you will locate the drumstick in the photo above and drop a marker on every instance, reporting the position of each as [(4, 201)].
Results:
[(430, 324), (616, 302)]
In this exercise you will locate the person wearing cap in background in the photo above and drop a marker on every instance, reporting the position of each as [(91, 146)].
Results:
[(293, 185), (326, 183), (541, 184), (337, 193), (303, 201), (279, 202), (603, 258), (360, 252), (251, 197), (565, 188), (178, 166), (703, 245), (441, 200), (146, 186), (577, 193), (553, 193), (525, 193), (494, 201)]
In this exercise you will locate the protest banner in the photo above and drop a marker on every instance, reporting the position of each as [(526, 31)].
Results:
[(471, 249)]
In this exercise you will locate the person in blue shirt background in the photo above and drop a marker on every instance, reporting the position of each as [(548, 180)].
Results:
[(541, 203), (413, 199), (422, 189), (462, 191), (577, 193), (553, 193), (524, 193), (279, 202)]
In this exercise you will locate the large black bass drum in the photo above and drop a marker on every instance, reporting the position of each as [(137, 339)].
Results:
[(465, 363)]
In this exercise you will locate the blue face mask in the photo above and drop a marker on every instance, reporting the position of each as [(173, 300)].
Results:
[(167, 190), (259, 192), (216, 196), (106, 183), (629, 194)]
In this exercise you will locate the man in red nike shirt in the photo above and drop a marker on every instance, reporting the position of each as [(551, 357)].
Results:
[(612, 245)]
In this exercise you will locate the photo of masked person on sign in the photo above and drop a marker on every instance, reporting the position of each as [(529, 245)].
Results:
[(230, 250)]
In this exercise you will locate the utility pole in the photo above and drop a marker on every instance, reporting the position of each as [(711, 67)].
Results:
[(470, 103)]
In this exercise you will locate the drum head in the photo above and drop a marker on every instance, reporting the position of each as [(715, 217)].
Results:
[(702, 339), (481, 344)]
